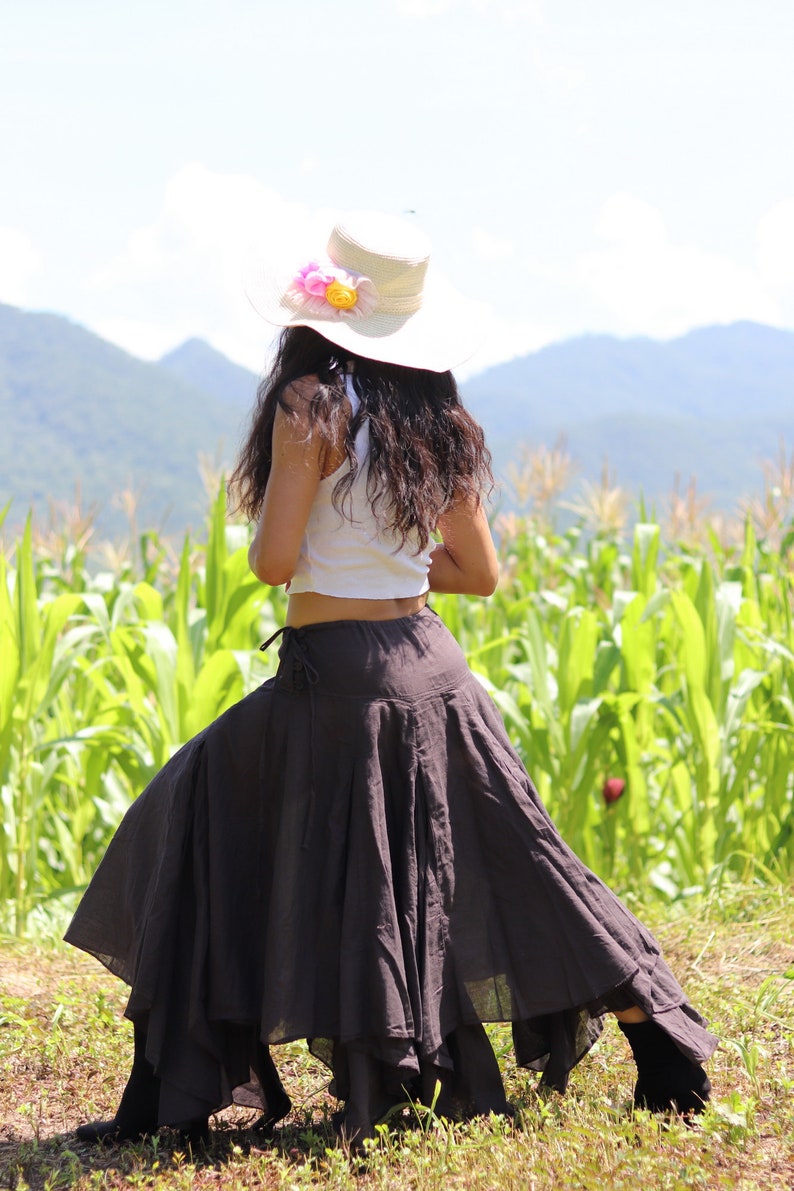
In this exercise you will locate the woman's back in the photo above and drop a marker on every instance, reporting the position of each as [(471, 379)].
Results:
[(347, 550), (350, 469)]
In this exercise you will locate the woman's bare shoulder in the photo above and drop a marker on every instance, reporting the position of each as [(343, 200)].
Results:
[(300, 393)]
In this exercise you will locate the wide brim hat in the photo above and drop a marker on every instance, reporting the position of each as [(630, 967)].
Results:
[(371, 290)]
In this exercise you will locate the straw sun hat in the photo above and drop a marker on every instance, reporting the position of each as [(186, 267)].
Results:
[(372, 292)]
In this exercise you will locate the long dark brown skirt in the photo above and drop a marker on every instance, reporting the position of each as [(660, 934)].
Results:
[(354, 854)]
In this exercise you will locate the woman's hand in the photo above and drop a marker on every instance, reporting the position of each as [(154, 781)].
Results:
[(295, 472), (465, 562)]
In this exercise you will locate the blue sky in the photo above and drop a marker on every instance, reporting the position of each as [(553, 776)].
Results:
[(622, 167)]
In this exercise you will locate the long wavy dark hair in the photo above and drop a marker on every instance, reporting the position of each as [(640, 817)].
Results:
[(426, 451)]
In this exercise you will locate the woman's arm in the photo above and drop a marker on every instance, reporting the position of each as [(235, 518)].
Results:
[(295, 472), (465, 561)]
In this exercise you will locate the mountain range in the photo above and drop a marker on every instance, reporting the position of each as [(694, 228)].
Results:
[(712, 404), (80, 415), (77, 412)]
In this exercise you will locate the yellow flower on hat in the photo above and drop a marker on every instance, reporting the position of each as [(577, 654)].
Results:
[(341, 296), (324, 291)]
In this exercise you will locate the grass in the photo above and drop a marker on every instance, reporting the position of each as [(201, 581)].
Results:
[(65, 1053)]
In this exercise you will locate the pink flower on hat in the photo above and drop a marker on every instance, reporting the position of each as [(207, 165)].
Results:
[(313, 279), (325, 291)]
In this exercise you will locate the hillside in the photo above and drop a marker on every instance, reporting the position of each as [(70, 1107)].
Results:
[(740, 371), (196, 363), (712, 403), (77, 410)]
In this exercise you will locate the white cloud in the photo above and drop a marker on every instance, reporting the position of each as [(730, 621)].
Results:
[(560, 73), (146, 340), (775, 236), (489, 247), (202, 232), (504, 338), (422, 8), (19, 262), (182, 275), (508, 10), (652, 286)]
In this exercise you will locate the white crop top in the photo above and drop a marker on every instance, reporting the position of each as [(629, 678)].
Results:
[(350, 553)]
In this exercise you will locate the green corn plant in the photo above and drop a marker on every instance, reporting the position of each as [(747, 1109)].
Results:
[(37, 666), (99, 686), (663, 689), (193, 654), (671, 669)]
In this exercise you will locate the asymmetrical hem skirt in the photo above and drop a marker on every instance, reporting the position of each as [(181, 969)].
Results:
[(354, 854)]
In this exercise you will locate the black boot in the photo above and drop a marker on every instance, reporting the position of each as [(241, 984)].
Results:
[(137, 1112), (277, 1102), (666, 1079)]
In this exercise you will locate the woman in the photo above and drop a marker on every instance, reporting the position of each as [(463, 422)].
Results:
[(354, 853)]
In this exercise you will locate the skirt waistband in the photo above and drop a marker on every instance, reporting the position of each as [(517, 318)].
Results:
[(408, 657)]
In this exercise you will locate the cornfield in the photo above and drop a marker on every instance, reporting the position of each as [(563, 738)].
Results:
[(648, 685)]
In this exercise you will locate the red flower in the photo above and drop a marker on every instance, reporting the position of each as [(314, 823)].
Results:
[(613, 789)]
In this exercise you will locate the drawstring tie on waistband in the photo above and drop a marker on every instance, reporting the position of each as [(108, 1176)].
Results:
[(293, 638), (266, 644)]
